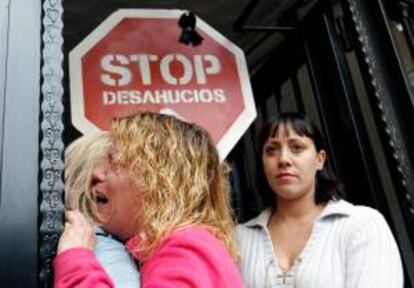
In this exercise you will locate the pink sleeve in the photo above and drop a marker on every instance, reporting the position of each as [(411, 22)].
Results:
[(78, 267), (192, 258)]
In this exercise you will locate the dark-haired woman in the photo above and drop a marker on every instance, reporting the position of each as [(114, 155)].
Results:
[(309, 237)]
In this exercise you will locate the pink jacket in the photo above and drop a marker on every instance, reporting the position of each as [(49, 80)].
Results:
[(188, 258)]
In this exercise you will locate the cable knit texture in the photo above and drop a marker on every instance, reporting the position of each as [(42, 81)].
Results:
[(349, 247)]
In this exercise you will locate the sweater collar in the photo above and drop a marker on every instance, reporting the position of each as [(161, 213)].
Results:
[(340, 208)]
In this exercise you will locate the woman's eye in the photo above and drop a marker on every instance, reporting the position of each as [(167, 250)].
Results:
[(111, 158), (270, 149), (297, 148)]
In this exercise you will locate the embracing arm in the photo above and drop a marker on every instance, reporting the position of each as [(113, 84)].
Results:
[(373, 259), (75, 264), (78, 267)]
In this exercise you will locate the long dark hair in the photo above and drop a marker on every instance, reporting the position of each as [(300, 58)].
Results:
[(328, 186)]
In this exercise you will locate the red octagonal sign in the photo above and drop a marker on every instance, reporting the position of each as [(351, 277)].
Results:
[(133, 61)]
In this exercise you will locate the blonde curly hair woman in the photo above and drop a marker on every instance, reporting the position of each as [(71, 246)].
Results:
[(166, 193)]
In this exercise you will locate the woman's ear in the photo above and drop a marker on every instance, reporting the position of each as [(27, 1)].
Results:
[(321, 158)]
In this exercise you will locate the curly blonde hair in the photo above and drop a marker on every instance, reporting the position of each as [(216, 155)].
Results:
[(81, 157), (184, 182)]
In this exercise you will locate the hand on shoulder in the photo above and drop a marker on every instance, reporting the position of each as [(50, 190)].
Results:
[(78, 232)]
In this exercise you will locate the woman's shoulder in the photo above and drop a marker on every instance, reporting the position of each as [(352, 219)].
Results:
[(195, 248), (197, 244), (250, 232), (350, 211), (115, 259), (105, 241), (190, 232), (357, 219), (260, 220), (109, 249), (361, 213), (193, 237)]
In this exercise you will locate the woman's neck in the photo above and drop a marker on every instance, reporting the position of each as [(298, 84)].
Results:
[(297, 210)]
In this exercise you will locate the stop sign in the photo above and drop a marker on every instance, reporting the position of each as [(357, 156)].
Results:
[(133, 61)]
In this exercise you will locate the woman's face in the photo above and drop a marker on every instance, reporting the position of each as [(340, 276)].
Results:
[(118, 199), (290, 163)]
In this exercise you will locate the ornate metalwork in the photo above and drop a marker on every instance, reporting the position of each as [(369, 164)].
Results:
[(51, 186), (395, 108), (384, 103)]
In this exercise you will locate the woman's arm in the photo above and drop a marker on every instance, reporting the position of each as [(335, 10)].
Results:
[(78, 267), (75, 264), (372, 259)]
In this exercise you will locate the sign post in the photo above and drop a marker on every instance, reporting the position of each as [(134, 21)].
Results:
[(133, 61)]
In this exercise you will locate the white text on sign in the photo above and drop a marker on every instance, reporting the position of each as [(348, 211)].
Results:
[(166, 96), (199, 66)]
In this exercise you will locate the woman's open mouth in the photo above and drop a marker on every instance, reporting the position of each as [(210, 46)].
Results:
[(100, 199)]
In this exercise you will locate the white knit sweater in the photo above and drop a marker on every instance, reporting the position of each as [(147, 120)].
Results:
[(349, 247)]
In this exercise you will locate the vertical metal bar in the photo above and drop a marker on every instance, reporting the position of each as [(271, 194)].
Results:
[(51, 186), (395, 110), (351, 105)]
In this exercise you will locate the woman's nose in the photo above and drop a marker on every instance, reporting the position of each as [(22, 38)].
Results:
[(284, 157), (99, 173)]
